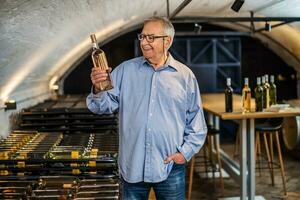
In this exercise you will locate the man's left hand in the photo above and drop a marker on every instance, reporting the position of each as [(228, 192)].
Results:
[(178, 158)]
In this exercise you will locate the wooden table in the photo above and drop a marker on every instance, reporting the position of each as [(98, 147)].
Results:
[(214, 104)]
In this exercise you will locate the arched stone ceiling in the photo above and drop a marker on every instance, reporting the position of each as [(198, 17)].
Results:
[(41, 40)]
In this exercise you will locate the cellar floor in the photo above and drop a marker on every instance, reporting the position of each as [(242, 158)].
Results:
[(208, 188)]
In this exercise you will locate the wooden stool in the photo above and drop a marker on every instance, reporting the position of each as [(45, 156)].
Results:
[(211, 144), (270, 130)]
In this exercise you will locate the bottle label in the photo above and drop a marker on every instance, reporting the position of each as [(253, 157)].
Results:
[(74, 154), (67, 185), (246, 101)]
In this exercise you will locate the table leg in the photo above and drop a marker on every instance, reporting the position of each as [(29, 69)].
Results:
[(217, 122), (210, 119), (217, 126), (243, 160), (251, 160)]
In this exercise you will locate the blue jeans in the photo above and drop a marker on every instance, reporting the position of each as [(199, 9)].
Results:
[(173, 188)]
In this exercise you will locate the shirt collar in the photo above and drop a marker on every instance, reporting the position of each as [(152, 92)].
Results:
[(171, 62)]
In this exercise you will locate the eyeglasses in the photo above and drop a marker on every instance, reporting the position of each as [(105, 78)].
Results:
[(150, 38)]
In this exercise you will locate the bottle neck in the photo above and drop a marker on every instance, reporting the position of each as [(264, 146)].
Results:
[(228, 82), (246, 82), (272, 79), (95, 45), (263, 80), (267, 79), (258, 81)]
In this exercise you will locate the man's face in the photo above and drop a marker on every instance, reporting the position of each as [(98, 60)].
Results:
[(154, 51)]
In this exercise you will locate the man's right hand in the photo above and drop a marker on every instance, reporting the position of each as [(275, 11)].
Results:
[(98, 75)]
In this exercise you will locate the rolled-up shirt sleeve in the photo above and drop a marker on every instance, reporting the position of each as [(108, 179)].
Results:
[(195, 129)]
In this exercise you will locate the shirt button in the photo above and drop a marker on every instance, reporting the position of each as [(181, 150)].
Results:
[(148, 144), (152, 100), (149, 129), (150, 114)]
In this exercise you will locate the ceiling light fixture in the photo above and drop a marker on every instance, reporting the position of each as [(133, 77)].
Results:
[(197, 28), (237, 4), (10, 105)]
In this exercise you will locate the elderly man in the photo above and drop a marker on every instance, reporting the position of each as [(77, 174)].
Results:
[(161, 118)]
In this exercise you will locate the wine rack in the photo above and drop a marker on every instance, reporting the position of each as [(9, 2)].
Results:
[(61, 150)]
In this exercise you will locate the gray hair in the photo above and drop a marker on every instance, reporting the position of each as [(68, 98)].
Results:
[(169, 28)]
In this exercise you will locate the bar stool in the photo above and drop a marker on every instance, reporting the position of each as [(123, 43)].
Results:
[(211, 144), (270, 128)]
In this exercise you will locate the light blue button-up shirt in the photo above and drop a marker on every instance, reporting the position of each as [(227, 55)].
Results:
[(160, 113)]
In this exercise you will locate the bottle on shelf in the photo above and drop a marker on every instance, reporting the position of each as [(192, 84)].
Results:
[(259, 98), (99, 60), (228, 96), (246, 97), (266, 87), (273, 92)]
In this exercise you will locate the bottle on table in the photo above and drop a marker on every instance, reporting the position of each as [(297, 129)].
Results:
[(99, 60), (273, 92), (266, 87), (228, 96), (246, 97), (258, 94)]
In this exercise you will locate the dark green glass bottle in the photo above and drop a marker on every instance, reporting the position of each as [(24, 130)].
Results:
[(259, 96), (266, 86), (228, 96), (273, 93)]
